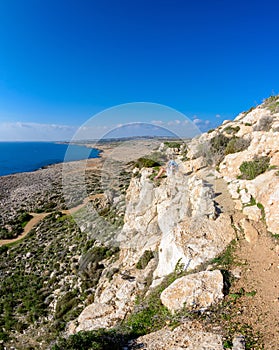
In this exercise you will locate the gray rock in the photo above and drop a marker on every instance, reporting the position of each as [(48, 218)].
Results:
[(238, 343)]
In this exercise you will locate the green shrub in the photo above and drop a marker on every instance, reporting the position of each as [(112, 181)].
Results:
[(226, 258), (219, 142), (264, 124), (92, 340), (5, 234), (251, 203), (236, 144), (215, 151), (24, 218), (144, 259), (173, 144), (250, 170), (261, 207), (146, 163), (65, 304), (232, 130), (3, 249)]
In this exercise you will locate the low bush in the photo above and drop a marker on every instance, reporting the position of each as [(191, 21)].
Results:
[(92, 340), (250, 170), (173, 144), (24, 218), (144, 259), (66, 303), (146, 163), (219, 142), (232, 130), (264, 124), (236, 144), (215, 151)]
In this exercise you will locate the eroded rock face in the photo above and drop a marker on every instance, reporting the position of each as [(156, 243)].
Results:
[(182, 337), (113, 299), (178, 219), (197, 291), (193, 242)]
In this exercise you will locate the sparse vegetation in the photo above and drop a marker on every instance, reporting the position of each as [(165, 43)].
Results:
[(264, 124), (226, 258), (144, 259), (236, 144), (251, 169), (146, 163), (16, 226), (272, 103), (261, 207), (92, 340), (173, 144), (232, 130)]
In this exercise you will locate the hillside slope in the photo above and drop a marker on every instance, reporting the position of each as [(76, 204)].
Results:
[(183, 262)]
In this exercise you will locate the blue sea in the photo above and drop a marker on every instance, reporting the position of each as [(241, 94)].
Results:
[(17, 157)]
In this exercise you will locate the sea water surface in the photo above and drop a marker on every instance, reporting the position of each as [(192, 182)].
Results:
[(17, 157)]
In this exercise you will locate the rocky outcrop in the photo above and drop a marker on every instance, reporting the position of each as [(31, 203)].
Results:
[(197, 291), (179, 221), (177, 218), (259, 128), (186, 336)]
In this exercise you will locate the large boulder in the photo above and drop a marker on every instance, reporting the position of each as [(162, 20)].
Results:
[(197, 291)]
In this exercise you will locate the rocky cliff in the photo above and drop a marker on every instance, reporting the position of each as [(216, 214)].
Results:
[(160, 264), (184, 226), (178, 222)]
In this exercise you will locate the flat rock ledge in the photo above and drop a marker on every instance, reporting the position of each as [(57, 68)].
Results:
[(197, 291)]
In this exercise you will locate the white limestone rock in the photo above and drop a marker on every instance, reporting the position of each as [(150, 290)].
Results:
[(184, 337), (245, 197), (253, 213), (197, 291)]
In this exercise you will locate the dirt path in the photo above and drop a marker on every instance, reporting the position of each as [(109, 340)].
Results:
[(38, 217), (260, 273), (33, 222)]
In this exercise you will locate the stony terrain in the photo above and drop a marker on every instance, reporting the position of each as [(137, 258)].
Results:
[(188, 261)]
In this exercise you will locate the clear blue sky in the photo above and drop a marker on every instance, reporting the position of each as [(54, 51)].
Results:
[(62, 61)]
